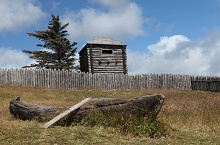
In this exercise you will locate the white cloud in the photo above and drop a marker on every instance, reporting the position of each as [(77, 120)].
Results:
[(118, 23), (178, 55), (18, 14), (167, 44), (11, 58)]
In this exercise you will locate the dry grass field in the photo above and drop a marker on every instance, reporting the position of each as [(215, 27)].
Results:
[(189, 117)]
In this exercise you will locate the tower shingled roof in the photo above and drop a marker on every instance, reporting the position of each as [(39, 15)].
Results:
[(105, 40)]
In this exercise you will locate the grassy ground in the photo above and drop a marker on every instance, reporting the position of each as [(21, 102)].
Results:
[(190, 117)]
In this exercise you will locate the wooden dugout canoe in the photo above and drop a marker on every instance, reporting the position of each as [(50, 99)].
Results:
[(145, 106)]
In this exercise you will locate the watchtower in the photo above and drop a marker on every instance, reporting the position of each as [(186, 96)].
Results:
[(103, 55)]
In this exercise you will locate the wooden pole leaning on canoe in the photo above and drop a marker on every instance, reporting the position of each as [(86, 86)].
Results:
[(68, 111)]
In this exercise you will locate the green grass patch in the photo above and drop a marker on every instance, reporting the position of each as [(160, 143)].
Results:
[(125, 125)]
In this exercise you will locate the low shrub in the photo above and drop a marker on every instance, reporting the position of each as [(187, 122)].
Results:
[(126, 124)]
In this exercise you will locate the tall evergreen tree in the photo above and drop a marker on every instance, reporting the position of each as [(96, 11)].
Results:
[(57, 53)]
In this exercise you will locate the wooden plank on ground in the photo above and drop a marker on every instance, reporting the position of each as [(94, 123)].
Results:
[(68, 111)]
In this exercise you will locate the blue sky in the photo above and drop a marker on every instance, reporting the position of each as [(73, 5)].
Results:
[(162, 36)]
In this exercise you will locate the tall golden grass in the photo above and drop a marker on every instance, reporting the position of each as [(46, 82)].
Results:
[(190, 117)]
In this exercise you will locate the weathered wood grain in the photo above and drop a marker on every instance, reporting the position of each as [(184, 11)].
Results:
[(72, 80), (63, 114), (145, 106)]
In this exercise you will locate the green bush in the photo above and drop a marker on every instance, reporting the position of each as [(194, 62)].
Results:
[(126, 124)]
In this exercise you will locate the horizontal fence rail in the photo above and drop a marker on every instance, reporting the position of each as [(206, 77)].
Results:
[(72, 80)]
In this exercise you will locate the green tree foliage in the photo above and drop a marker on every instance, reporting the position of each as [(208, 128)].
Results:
[(57, 53)]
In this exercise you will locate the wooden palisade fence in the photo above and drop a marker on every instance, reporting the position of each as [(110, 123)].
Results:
[(72, 80), (206, 83)]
